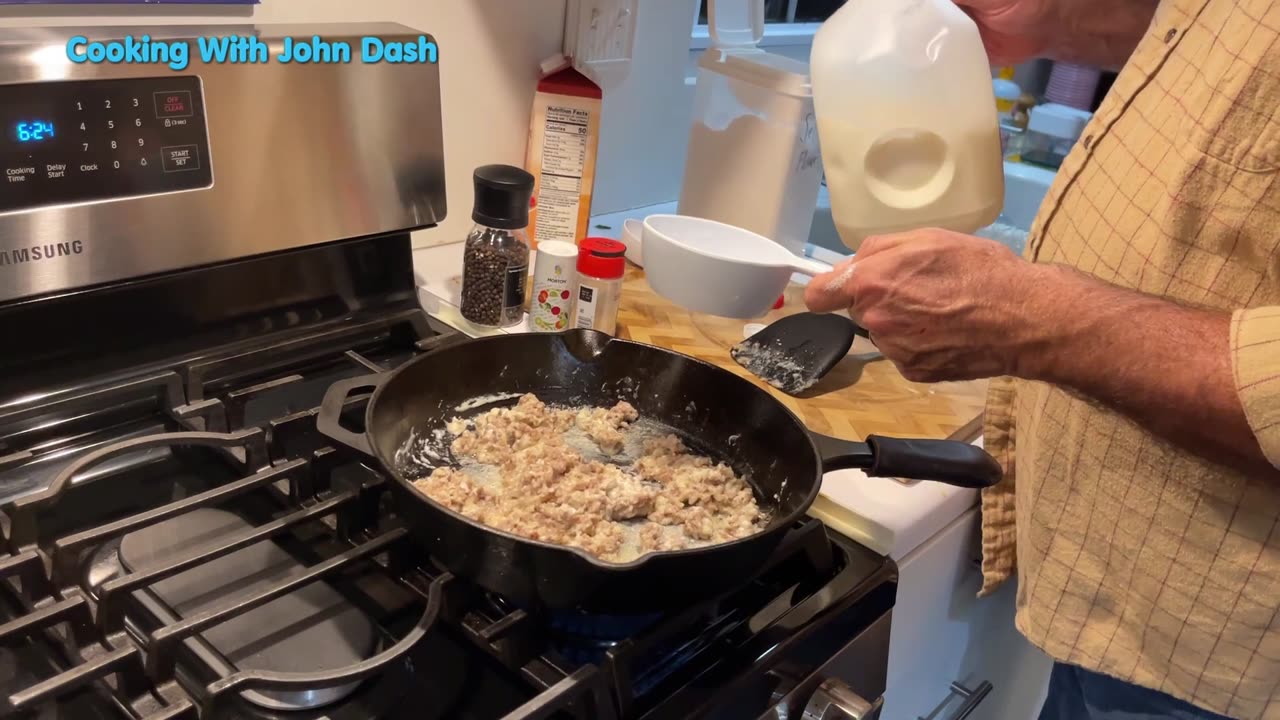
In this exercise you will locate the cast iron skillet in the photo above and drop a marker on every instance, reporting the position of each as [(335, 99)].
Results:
[(716, 411)]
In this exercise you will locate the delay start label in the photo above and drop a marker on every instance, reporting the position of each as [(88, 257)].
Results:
[(247, 49)]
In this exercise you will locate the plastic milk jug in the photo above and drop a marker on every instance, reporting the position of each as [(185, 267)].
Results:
[(906, 119)]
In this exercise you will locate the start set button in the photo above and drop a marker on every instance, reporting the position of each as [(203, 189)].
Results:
[(179, 158)]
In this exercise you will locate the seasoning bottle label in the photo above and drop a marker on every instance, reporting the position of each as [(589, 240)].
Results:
[(586, 310), (514, 292), (551, 307)]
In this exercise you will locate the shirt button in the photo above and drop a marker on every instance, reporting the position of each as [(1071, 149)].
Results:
[(1088, 141), (1169, 36)]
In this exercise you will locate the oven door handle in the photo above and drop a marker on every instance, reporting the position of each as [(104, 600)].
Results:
[(834, 700)]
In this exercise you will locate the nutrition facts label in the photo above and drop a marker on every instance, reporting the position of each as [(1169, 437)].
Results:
[(564, 155)]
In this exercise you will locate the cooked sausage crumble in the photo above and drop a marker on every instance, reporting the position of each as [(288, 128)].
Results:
[(521, 474)]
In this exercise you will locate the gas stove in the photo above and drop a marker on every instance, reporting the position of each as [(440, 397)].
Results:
[(179, 540)]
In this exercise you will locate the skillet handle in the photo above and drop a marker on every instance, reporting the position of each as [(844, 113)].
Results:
[(945, 461), (329, 421)]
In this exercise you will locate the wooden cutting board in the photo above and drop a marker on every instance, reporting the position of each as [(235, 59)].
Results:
[(863, 395)]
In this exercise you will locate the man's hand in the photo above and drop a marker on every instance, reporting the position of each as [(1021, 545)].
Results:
[(944, 306), (1014, 30), (1097, 32), (940, 305)]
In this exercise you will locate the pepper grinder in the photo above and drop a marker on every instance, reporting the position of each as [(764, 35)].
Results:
[(495, 261)]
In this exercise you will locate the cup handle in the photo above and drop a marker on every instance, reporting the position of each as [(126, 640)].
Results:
[(809, 267)]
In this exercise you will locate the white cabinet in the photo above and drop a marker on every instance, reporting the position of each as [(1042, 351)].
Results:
[(943, 637), (943, 634)]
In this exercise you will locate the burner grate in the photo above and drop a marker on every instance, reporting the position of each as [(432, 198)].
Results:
[(143, 671), (90, 623), (585, 638), (234, 431)]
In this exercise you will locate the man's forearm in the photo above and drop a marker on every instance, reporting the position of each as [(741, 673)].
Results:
[(1166, 366)]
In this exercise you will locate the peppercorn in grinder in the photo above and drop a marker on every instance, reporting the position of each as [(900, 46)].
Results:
[(495, 262)]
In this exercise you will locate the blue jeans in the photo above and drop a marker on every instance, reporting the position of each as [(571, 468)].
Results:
[(1078, 694)]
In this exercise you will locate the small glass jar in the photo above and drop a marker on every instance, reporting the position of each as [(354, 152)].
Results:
[(495, 260)]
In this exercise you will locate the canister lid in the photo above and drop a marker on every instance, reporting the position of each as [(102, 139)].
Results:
[(778, 73), (1058, 121), (602, 258), (735, 23), (558, 249), (736, 28)]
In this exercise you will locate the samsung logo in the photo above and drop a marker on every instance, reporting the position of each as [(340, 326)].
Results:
[(35, 253)]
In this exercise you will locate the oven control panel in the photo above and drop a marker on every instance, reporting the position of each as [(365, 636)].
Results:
[(80, 141)]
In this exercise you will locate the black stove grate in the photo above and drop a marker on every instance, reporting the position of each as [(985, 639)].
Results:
[(234, 430), (89, 623)]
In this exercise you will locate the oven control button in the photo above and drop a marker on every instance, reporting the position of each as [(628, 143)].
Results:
[(173, 104), (180, 158), (15, 174)]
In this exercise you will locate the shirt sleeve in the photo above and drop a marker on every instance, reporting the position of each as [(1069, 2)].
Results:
[(1255, 358), (999, 529)]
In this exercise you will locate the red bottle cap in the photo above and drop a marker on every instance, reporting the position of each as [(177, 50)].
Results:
[(782, 300), (602, 258)]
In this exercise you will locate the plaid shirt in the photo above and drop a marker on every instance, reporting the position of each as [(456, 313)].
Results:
[(1135, 558)]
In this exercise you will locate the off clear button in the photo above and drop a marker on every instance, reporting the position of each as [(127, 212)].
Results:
[(180, 158), (173, 103)]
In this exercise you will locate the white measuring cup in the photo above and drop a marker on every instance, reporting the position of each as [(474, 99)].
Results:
[(710, 267)]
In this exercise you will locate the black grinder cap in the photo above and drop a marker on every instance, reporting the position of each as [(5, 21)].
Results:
[(503, 194)]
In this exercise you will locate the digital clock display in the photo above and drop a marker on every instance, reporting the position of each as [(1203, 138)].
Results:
[(33, 131)]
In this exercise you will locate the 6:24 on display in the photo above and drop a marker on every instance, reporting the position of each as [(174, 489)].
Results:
[(33, 131)]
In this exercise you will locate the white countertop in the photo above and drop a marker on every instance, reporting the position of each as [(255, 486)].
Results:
[(889, 517)]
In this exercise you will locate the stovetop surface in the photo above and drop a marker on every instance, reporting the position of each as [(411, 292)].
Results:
[(182, 543)]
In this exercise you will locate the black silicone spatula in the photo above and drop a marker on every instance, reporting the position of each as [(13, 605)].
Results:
[(794, 353)]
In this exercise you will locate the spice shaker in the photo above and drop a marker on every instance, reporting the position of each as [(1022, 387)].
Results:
[(601, 264), (495, 261), (555, 278)]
